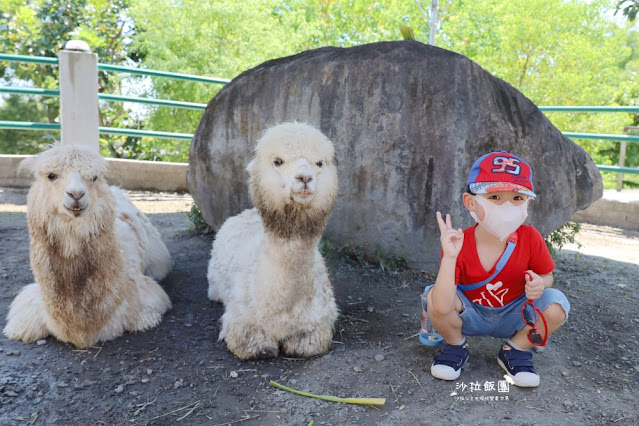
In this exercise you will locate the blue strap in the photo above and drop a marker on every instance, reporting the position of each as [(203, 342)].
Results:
[(500, 265)]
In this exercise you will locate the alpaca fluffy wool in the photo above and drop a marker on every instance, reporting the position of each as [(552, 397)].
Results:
[(265, 264), (89, 268)]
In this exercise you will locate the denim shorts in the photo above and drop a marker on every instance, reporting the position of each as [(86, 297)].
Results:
[(505, 321)]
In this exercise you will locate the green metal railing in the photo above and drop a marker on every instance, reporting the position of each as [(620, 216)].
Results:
[(29, 59), (602, 137), (153, 73), (116, 68), (106, 97), (55, 127), (590, 108), (212, 80)]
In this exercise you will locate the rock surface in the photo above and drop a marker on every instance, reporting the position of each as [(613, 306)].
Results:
[(408, 120)]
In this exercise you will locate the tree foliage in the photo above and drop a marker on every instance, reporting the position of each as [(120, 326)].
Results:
[(629, 8), (556, 52), (41, 28)]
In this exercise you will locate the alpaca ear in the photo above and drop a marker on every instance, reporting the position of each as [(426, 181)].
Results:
[(27, 166), (251, 167)]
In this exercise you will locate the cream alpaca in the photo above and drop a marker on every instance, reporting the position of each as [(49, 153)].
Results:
[(90, 248), (265, 264)]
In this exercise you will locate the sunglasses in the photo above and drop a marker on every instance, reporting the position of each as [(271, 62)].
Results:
[(529, 313)]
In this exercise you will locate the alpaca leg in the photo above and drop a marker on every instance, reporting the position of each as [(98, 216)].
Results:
[(157, 255), (25, 320), (213, 277), (154, 302), (247, 341), (306, 344)]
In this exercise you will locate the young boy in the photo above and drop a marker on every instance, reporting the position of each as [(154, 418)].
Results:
[(491, 269)]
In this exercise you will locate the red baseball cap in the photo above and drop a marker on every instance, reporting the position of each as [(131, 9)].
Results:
[(500, 171)]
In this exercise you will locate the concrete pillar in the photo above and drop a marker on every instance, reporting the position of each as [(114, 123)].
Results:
[(78, 68)]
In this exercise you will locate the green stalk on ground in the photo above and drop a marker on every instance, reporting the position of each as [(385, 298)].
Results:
[(361, 401)]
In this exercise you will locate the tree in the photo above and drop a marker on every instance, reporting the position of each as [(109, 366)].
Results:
[(20, 142), (226, 37), (629, 8), (573, 56), (557, 52), (41, 28)]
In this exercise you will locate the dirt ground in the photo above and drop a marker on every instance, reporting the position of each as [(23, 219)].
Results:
[(179, 372)]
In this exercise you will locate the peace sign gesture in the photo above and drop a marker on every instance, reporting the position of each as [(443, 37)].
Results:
[(451, 239)]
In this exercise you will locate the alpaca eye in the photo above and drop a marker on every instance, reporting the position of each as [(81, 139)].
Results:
[(278, 162), (94, 178), (51, 176), (319, 163)]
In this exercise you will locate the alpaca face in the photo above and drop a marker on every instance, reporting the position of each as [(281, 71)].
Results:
[(294, 180), (69, 184), (294, 166)]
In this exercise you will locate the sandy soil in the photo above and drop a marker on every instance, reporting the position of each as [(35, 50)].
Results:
[(179, 372)]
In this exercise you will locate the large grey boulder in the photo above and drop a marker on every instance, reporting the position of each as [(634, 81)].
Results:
[(408, 120)]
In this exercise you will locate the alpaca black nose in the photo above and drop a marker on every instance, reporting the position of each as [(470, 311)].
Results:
[(76, 195), (304, 178)]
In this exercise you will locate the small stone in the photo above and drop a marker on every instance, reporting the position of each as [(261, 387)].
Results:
[(357, 369), (636, 320), (145, 380), (13, 353), (42, 342), (621, 286), (234, 374), (61, 385), (10, 393), (576, 363), (119, 389), (565, 373), (623, 358), (568, 404), (370, 309), (405, 315), (636, 367), (379, 357), (149, 371), (188, 325), (178, 384)]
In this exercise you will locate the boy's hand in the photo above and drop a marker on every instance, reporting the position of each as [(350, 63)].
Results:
[(534, 285), (451, 239)]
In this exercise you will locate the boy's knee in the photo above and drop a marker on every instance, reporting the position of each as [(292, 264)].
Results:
[(442, 310), (555, 314), (434, 309)]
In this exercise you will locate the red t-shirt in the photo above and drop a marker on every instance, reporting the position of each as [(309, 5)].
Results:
[(530, 253)]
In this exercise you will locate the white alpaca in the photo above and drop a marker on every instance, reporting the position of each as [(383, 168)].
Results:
[(90, 248), (265, 264)]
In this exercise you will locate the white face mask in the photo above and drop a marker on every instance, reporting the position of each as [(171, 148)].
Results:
[(500, 220)]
